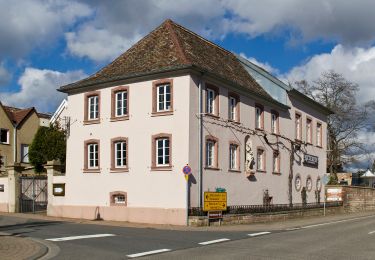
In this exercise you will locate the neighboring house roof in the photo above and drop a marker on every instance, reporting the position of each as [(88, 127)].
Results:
[(18, 115), (44, 115), (172, 47)]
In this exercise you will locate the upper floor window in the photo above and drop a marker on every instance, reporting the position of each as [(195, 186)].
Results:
[(276, 162), (91, 155), (163, 96), (319, 134), (161, 151), (274, 122), (4, 136), (119, 153), (261, 160), (212, 100), (234, 114), (233, 156), (309, 130), (259, 117), (298, 126), (120, 103), (92, 107), (25, 153)]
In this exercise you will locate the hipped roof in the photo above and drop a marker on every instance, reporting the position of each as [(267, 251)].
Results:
[(173, 47)]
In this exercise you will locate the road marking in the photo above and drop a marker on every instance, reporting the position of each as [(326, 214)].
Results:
[(372, 232), (258, 234), (79, 237), (149, 253), (214, 241), (291, 229), (339, 221)]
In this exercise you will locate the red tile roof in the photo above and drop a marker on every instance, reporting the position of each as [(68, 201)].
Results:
[(17, 115), (171, 47)]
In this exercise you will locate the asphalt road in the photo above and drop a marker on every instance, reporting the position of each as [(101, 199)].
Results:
[(352, 238)]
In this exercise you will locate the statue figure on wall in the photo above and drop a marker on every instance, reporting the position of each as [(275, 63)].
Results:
[(249, 156)]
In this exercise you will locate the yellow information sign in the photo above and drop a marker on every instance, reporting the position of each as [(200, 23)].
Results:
[(215, 201)]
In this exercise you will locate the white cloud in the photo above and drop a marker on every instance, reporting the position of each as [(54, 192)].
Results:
[(38, 89), (355, 64), (5, 76), (25, 25), (264, 65)]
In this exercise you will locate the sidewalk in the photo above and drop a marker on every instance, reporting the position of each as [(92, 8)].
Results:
[(22, 218), (14, 247)]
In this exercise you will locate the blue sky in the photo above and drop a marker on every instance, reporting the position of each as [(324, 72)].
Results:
[(48, 43)]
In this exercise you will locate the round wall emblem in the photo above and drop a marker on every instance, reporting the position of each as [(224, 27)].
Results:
[(298, 183)]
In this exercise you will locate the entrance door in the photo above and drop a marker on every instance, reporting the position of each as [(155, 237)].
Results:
[(33, 196)]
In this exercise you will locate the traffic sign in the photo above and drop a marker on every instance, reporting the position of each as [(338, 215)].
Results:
[(215, 201), (186, 170), (325, 179)]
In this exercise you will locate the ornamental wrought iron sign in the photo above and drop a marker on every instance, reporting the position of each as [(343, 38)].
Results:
[(310, 160)]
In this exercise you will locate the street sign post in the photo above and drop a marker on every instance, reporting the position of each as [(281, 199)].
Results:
[(186, 170)]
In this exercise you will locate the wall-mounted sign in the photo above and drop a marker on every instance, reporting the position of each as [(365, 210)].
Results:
[(1, 187), (215, 201), (334, 194), (58, 189), (310, 160)]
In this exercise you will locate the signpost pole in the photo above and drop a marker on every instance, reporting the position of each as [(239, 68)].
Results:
[(187, 202)]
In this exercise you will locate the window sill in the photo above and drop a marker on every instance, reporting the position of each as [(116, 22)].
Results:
[(119, 118), (91, 170), (118, 204), (234, 121), (118, 170), (262, 171), (4, 143), (234, 170), (161, 168), (298, 141), (276, 173), (212, 115), (276, 134), (319, 146), (91, 122), (212, 168), (259, 129), (162, 113)]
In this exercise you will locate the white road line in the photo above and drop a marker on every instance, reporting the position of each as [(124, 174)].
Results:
[(258, 234), (79, 237), (339, 221), (372, 232), (213, 241), (149, 253), (291, 229)]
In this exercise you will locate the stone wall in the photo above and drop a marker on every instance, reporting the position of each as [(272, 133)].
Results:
[(266, 217), (358, 198)]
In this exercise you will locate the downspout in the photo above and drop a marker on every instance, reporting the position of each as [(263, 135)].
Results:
[(200, 143), (14, 144)]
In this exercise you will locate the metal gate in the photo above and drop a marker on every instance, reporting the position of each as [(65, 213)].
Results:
[(33, 196)]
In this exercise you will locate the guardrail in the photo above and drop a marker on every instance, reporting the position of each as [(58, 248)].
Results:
[(249, 209)]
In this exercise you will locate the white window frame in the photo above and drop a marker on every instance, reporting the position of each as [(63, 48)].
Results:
[(24, 157), (116, 199), (93, 107), (123, 151), (165, 151), (210, 101), (7, 135), (121, 105), (274, 123), (233, 164), (165, 103), (93, 149), (210, 153), (232, 108), (260, 160)]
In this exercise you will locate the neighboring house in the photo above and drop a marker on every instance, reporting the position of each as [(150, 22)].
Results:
[(175, 98), (18, 127)]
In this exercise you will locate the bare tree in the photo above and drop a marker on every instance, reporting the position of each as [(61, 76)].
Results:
[(339, 95)]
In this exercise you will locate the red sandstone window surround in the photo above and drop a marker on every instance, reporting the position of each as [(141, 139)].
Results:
[(211, 151), (91, 155), (92, 108), (259, 117), (234, 156), (119, 154), (319, 135), (309, 130), (161, 152), (212, 100), (298, 126), (234, 107), (120, 103), (162, 97), (275, 125), (261, 159)]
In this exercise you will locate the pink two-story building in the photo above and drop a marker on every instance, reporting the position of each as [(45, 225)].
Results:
[(173, 99)]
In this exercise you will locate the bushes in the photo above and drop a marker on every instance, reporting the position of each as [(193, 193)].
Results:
[(49, 144)]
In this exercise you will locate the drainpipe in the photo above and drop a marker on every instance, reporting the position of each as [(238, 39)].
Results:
[(14, 144), (200, 144)]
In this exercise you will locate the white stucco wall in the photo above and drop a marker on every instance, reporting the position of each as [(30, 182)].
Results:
[(4, 195)]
